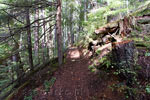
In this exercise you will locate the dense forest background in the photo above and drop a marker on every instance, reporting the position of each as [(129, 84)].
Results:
[(36, 33)]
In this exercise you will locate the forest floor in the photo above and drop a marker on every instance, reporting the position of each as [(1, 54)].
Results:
[(74, 81)]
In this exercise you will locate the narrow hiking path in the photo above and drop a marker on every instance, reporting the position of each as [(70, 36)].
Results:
[(74, 81)]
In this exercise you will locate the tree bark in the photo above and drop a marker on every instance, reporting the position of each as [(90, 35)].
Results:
[(123, 54), (59, 34), (85, 9), (71, 26), (36, 36), (16, 58), (29, 39), (124, 58), (44, 36)]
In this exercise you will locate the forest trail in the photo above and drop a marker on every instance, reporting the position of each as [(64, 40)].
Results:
[(74, 81)]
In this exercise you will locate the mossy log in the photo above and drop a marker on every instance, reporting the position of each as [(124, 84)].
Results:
[(144, 20), (142, 44)]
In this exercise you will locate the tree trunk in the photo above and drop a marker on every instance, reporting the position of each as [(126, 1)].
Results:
[(16, 58), (85, 9), (71, 26), (123, 54), (29, 39), (44, 36), (50, 43), (36, 36), (81, 16), (59, 35)]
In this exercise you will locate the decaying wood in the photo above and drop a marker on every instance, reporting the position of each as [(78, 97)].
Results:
[(110, 27), (124, 25), (117, 30), (124, 58), (143, 20), (105, 50)]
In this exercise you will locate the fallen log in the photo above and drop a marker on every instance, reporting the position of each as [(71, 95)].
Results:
[(142, 44), (110, 27), (144, 20), (124, 25)]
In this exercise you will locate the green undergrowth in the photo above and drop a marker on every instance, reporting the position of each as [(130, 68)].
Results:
[(49, 83), (127, 78), (31, 94), (53, 66)]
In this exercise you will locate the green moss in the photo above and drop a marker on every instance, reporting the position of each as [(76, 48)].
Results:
[(98, 51), (144, 12), (90, 67), (142, 44), (147, 38), (137, 39), (49, 84)]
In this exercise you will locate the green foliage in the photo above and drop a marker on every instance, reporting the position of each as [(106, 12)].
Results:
[(98, 17), (147, 89), (98, 52), (138, 28), (28, 97), (106, 62), (131, 92), (91, 68), (4, 50), (147, 54), (137, 39), (48, 84), (6, 90), (145, 10), (147, 38), (130, 75)]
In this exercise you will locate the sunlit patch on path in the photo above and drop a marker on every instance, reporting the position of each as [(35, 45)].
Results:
[(73, 53)]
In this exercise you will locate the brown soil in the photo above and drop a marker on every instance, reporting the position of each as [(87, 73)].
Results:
[(74, 81)]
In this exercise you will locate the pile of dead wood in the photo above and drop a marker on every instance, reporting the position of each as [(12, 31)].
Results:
[(111, 36), (116, 31)]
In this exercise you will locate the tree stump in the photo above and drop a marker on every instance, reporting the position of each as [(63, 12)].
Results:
[(123, 54)]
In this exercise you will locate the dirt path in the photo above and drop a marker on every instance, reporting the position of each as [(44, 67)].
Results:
[(74, 81)]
